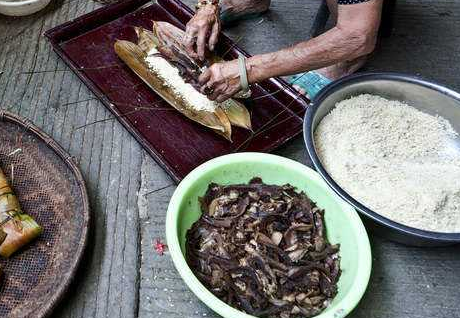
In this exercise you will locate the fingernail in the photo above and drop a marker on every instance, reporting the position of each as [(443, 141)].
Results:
[(211, 47)]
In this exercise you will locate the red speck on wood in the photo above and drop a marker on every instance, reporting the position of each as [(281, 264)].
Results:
[(160, 247)]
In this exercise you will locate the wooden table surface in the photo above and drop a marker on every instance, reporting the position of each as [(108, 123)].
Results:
[(121, 275)]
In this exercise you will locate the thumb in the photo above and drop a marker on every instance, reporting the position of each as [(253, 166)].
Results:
[(204, 77)]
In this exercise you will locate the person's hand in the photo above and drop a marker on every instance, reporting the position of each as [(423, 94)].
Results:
[(221, 81), (203, 29)]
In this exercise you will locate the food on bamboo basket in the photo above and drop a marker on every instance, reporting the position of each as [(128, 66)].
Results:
[(17, 228), (263, 249), (2, 236), (160, 60)]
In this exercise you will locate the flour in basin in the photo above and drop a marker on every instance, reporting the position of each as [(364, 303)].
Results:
[(394, 159)]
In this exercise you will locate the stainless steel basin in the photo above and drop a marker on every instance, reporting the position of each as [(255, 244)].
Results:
[(428, 97)]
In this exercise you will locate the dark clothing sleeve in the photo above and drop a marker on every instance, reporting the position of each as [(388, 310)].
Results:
[(350, 1)]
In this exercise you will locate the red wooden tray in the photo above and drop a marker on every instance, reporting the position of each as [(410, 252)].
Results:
[(177, 143)]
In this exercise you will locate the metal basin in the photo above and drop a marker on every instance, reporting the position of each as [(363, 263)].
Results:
[(426, 96)]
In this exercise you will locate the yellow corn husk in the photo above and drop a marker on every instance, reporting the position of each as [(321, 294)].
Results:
[(238, 115), (146, 40), (2, 236), (19, 232), (4, 185), (134, 57), (227, 132), (20, 228), (167, 35)]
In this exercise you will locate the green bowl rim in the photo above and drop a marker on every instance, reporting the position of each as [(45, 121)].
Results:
[(343, 308)]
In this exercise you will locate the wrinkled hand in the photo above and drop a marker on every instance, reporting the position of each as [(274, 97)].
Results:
[(203, 29), (221, 81)]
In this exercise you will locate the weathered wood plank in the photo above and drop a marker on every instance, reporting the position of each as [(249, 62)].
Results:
[(109, 157), (122, 275)]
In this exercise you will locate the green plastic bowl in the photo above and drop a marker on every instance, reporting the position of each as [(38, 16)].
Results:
[(343, 224)]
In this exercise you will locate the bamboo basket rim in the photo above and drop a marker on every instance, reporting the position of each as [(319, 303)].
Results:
[(67, 277)]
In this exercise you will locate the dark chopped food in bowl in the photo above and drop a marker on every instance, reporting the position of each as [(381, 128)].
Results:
[(263, 249)]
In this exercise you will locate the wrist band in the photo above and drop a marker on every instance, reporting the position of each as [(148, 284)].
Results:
[(244, 83)]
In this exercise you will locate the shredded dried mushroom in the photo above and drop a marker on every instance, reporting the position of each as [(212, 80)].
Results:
[(263, 249)]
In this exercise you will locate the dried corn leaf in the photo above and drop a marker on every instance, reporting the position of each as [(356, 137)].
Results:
[(134, 57), (21, 230), (227, 133), (2, 236), (169, 35), (167, 39), (238, 115), (16, 228), (146, 39)]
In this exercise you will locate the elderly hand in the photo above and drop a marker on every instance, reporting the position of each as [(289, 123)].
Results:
[(221, 81), (203, 29)]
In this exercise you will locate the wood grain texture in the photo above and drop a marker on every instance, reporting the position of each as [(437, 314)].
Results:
[(55, 100), (122, 276)]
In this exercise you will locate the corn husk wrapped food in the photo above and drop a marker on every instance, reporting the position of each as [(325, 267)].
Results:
[(17, 228), (160, 60)]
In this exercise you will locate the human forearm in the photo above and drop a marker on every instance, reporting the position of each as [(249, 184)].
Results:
[(332, 47), (353, 36), (223, 79)]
